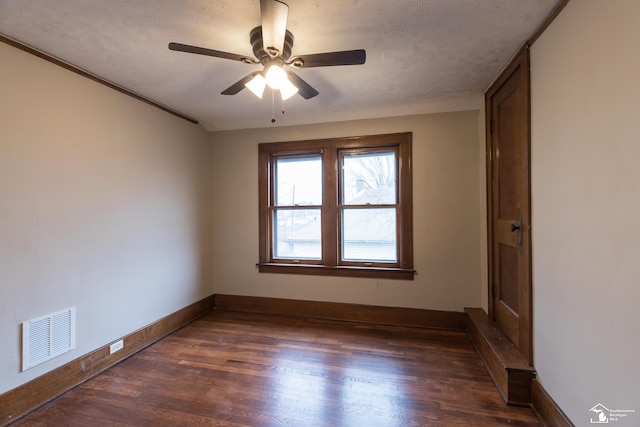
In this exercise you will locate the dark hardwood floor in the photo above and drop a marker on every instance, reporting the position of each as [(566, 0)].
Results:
[(235, 369)]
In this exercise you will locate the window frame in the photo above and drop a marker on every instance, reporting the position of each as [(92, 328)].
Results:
[(342, 206), (274, 206), (330, 150)]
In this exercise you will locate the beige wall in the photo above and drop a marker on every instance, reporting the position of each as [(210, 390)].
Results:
[(447, 215), (586, 207), (105, 204)]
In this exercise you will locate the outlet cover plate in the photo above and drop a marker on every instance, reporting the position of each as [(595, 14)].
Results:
[(116, 346)]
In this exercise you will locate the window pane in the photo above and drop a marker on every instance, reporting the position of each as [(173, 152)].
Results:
[(298, 181), (297, 234), (369, 235), (369, 178)]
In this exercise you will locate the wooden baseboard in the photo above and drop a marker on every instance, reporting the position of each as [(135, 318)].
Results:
[(507, 367), (24, 399), (398, 316), (546, 408)]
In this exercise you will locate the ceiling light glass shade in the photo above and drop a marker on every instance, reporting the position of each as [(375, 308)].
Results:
[(287, 90), (257, 85), (276, 77)]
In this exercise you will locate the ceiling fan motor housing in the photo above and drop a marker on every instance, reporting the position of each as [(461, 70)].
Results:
[(255, 37)]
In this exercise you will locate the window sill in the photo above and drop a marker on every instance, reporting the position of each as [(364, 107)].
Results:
[(344, 271)]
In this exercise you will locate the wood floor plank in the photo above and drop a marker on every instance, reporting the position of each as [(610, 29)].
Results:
[(240, 369)]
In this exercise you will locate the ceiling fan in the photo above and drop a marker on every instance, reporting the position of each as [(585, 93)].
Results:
[(272, 44)]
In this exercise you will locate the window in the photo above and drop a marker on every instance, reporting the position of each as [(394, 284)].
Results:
[(339, 207)]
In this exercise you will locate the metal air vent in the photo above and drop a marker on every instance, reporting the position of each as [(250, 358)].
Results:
[(47, 337)]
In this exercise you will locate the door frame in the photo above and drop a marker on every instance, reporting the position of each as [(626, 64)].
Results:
[(521, 59)]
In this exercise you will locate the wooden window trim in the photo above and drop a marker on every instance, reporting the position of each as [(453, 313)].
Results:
[(330, 251)]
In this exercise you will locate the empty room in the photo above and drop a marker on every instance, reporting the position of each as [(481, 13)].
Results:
[(319, 213)]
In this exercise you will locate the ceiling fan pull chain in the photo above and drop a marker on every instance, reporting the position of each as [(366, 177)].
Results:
[(273, 107), (282, 104)]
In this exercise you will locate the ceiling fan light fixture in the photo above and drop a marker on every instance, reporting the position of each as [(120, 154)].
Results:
[(257, 85), (287, 90), (276, 77)]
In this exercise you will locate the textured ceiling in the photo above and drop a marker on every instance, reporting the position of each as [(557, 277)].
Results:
[(422, 55)]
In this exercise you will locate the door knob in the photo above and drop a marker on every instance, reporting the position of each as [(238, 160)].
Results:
[(517, 226)]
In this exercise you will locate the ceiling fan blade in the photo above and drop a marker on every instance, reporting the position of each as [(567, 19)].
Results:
[(304, 89), (210, 52), (274, 25), (239, 85), (330, 59)]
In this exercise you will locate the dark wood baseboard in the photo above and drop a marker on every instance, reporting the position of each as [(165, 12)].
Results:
[(508, 368), (398, 316), (546, 408), (24, 399)]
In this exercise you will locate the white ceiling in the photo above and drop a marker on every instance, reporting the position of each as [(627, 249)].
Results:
[(423, 56)]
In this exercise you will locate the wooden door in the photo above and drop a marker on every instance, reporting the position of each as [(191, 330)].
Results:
[(508, 194)]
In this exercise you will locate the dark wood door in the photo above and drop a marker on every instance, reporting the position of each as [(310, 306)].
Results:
[(508, 147)]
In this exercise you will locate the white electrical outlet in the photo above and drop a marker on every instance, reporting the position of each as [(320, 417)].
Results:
[(116, 346)]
